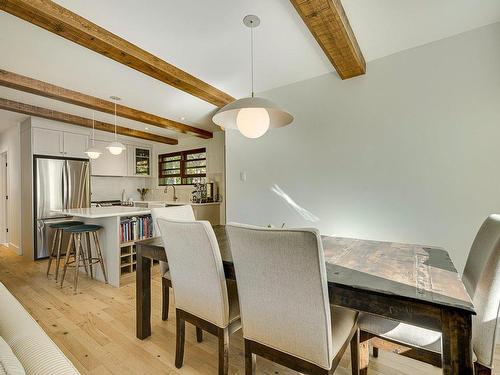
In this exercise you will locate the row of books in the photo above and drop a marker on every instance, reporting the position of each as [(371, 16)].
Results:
[(136, 228)]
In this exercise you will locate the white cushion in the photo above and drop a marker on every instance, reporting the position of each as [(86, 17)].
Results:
[(9, 364), (38, 354), (401, 332), (195, 264), (184, 212), (275, 269), (342, 323)]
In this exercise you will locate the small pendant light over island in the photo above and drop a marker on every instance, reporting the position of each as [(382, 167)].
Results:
[(115, 147), (92, 152), (252, 116)]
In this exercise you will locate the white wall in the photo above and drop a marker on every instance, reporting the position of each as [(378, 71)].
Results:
[(409, 152), (10, 143)]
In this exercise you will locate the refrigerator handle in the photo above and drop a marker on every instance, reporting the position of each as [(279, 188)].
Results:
[(65, 185)]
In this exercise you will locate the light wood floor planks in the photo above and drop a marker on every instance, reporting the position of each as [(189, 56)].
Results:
[(96, 329)]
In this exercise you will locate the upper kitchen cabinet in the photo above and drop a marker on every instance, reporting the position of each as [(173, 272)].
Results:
[(141, 161), (59, 143), (108, 164)]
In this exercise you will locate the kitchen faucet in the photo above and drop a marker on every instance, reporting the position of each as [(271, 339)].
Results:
[(166, 191)]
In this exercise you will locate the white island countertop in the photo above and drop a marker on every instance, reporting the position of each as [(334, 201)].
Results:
[(97, 212), (177, 203)]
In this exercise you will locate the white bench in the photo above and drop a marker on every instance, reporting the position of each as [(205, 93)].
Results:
[(36, 352)]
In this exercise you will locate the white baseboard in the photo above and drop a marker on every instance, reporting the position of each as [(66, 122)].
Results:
[(16, 248)]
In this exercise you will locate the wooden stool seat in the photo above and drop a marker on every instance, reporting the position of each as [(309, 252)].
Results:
[(55, 251), (83, 256)]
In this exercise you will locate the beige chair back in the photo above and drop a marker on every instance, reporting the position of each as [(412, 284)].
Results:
[(195, 264), (172, 213), (282, 286), (482, 280)]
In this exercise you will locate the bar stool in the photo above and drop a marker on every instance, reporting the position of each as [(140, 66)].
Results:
[(75, 248), (55, 250)]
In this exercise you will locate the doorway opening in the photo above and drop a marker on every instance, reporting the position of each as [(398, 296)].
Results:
[(4, 201)]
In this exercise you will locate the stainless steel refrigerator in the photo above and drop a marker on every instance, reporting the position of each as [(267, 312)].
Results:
[(58, 184)]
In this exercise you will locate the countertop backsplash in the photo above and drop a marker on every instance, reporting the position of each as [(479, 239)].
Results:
[(108, 188)]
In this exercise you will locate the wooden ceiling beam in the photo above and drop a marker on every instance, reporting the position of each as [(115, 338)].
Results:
[(327, 21), (71, 26), (31, 110), (34, 86)]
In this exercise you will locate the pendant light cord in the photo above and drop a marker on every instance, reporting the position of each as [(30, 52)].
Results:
[(115, 119), (93, 128), (251, 53)]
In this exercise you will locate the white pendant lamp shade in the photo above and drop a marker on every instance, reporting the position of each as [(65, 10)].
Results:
[(92, 152), (252, 116), (249, 115), (115, 147)]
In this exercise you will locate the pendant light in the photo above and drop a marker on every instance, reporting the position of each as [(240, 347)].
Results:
[(115, 147), (252, 116), (92, 152)]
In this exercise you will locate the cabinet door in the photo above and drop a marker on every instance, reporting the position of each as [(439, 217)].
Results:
[(108, 164), (142, 161), (47, 142), (75, 145)]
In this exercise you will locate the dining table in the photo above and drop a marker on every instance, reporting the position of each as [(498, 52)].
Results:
[(414, 284)]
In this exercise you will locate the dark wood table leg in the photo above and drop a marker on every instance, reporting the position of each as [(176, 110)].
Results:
[(143, 295), (457, 343)]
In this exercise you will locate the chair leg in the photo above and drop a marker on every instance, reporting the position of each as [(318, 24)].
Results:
[(249, 360), (58, 254), (364, 352), (355, 353), (165, 299), (481, 370), (89, 254), (199, 334), (180, 325), (223, 351), (52, 251), (68, 253), (99, 255), (375, 352), (78, 253)]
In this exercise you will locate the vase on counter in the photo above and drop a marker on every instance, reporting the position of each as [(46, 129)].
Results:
[(143, 192)]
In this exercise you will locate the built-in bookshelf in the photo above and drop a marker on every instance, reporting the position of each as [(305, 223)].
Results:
[(132, 229)]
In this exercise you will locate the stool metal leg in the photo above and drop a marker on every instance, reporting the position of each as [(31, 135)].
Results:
[(52, 250), (78, 253), (99, 255), (68, 253), (89, 254), (58, 255)]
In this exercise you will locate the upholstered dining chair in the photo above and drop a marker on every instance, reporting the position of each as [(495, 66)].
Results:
[(285, 309), (481, 278), (184, 212), (202, 295)]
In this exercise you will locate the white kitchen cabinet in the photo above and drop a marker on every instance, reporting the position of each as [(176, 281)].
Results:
[(59, 143), (47, 142), (108, 164), (75, 145)]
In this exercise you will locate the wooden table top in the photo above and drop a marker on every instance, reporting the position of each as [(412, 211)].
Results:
[(416, 272)]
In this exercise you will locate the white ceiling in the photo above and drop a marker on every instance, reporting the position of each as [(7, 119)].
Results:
[(208, 40)]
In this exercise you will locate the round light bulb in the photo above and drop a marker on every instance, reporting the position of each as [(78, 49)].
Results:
[(253, 122), (93, 153), (115, 148)]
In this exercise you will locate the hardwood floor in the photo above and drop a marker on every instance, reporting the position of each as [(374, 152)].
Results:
[(96, 329)]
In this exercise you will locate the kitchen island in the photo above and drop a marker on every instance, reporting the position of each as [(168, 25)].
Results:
[(118, 250)]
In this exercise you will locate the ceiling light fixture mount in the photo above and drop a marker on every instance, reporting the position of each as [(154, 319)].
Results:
[(115, 147), (252, 116)]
